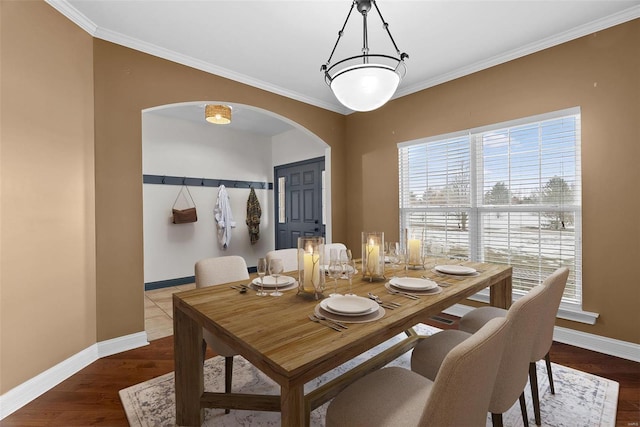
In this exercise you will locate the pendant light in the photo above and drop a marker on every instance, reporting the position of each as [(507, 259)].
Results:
[(367, 81)]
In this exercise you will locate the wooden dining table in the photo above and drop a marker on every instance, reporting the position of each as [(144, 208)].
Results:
[(276, 335)]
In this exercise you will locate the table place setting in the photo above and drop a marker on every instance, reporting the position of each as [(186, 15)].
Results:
[(412, 287), (285, 283), (348, 309)]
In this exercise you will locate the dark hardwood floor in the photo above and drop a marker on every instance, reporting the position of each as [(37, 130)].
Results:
[(90, 397)]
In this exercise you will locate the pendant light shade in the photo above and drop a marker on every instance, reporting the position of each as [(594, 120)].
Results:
[(365, 88), (365, 82), (218, 114)]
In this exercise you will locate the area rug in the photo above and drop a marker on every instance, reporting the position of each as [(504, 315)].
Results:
[(581, 399)]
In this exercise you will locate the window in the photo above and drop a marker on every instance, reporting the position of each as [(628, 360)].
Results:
[(508, 193)]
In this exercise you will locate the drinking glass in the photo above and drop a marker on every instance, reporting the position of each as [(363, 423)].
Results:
[(348, 266), (275, 269), (335, 270), (262, 270), (394, 248)]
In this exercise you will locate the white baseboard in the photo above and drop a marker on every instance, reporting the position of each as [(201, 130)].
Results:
[(610, 346), (19, 396)]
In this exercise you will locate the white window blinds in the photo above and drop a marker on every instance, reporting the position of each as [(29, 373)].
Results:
[(508, 193)]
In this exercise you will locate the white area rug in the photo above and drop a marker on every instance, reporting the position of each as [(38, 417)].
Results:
[(581, 399)]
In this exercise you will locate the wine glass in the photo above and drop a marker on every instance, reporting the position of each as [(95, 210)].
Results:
[(348, 266), (335, 272), (393, 255), (262, 270), (275, 269)]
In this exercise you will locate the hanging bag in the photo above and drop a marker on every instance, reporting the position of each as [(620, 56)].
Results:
[(184, 216)]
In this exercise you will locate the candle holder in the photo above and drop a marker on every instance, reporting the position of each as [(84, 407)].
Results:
[(415, 249), (311, 280), (373, 255)]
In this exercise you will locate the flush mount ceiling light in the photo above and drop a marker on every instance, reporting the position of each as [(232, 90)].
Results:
[(365, 82), (218, 114)]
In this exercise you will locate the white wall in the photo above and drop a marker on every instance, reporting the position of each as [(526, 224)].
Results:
[(176, 147), (180, 148), (295, 145)]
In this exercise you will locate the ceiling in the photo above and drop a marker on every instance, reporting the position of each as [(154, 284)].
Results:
[(279, 46)]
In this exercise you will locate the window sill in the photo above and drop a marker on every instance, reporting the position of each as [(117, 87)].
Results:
[(566, 311)]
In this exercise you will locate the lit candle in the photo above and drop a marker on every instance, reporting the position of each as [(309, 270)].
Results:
[(373, 257), (311, 270), (414, 251)]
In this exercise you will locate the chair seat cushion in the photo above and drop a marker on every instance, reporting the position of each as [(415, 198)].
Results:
[(428, 355), (476, 318), (394, 397), (220, 348)]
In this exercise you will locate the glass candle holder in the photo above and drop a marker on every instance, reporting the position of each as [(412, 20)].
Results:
[(311, 280), (373, 255)]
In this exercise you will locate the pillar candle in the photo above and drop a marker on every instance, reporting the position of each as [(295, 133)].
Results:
[(414, 251), (311, 271), (373, 257)]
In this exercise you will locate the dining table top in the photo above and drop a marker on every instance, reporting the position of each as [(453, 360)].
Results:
[(276, 335)]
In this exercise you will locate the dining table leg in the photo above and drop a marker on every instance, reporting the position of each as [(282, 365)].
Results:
[(292, 407), (500, 294), (189, 378)]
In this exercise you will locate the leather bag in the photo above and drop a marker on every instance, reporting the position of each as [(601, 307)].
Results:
[(184, 216)]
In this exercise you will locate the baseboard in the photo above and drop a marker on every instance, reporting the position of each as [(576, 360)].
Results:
[(19, 396), (120, 344), (610, 346)]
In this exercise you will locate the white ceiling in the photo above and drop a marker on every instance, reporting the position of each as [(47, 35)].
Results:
[(280, 45)]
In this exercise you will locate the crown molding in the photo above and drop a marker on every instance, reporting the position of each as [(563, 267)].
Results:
[(577, 32), (74, 15)]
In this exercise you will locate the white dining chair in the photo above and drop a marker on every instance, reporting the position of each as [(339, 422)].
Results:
[(397, 397), (212, 272), (289, 258), (556, 283), (327, 250), (512, 375)]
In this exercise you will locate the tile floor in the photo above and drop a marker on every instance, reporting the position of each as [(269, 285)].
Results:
[(158, 311)]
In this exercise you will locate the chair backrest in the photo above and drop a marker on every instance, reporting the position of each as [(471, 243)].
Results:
[(289, 258), (218, 270), (462, 389), (524, 316), (554, 288), (327, 250)]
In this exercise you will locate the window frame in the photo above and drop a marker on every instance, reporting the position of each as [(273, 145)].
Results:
[(477, 210)]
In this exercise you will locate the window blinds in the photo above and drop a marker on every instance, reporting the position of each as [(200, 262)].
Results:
[(508, 193)]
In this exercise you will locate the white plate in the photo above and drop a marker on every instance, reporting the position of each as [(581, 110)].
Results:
[(270, 281), (325, 307), (455, 269), (413, 283), (350, 305)]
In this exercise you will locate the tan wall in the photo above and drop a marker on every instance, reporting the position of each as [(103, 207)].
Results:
[(601, 74), (126, 82), (47, 238)]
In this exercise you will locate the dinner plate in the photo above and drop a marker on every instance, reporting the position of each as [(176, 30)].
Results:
[(292, 285), (270, 281), (413, 283), (349, 305), (455, 269), (369, 317), (432, 291)]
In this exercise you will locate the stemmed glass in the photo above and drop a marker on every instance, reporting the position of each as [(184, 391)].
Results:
[(335, 270), (348, 266), (275, 269), (262, 270), (394, 248)]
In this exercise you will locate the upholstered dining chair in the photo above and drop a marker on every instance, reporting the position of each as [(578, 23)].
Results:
[(327, 250), (513, 371), (396, 397), (289, 258), (555, 283), (211, 272)]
